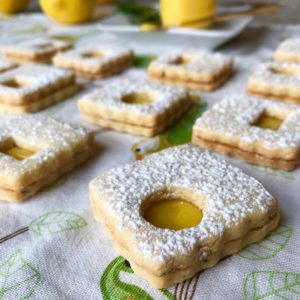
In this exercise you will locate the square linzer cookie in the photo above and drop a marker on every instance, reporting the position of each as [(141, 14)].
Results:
[(196, 70), (276, 80), (288, 51), (37, 50), (95, 62), (35, 151), (138, 107), (180, 211), (258, 131), (30, 88)]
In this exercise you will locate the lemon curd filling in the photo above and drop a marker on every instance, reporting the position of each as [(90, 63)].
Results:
[(138, 98), (268, 122), (19, 153), (173, 214)]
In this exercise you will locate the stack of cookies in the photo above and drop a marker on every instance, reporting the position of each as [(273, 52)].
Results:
[(95, 62), (196, 70), (279, 80), (37, 150), (140, 107), (38, 50), (31, 87)]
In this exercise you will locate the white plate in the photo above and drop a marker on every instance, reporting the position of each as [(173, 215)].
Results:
[(175, 37)]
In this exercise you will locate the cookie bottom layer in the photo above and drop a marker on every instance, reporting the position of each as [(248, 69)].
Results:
[(46, 101), (250, 157), (179, 275), (112, 70), (204, 86), (28, 191), (138, 129), (278, 97)]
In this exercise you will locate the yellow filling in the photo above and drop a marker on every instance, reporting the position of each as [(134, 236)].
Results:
[(138, 98), (173, 214), (183, 12), (19, 153), (268, 122)]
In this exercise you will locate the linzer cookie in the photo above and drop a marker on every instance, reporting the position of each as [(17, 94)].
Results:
[(180, 211), (37, 50), (276, 80), (288, 51), (30, 88), (35, 151), (95, 62), (258, 131), (138, 107), (196, 70)]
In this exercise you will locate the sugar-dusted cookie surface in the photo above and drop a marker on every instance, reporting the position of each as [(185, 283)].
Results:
[(97, 61), (6, 65), (259, 131), (200, 70), (48, 148), (276, 80), (288, 51), (31, 87), (138, 107), (39, 50), (237, 210)]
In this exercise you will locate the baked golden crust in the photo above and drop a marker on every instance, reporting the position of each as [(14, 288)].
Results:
[(237, 210), (229, 128)]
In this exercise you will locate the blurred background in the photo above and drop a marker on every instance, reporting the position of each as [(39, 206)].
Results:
[(289, 12)]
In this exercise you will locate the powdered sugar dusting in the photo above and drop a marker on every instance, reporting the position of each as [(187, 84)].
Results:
[(53, 140), (110, 96), (200, 62), (231, 197), (32, 78), (290, 46), (277, 74), (84, 56), (5, 65), (232, 119)]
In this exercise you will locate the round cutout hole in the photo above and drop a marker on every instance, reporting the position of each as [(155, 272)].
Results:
[(175, 214), (93, 55), (138, 98)]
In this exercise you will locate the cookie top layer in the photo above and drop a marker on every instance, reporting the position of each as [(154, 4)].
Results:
[(193, 61), (278, 74), (228, 197), (92, 57), (54, 143), (33, 48), (31, 79), (230, 121), (289, 46), (110, 96)]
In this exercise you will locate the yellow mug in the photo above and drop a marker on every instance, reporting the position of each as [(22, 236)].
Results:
[(187, 13)]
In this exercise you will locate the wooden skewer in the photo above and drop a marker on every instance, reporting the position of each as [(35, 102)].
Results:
[(256, 10)]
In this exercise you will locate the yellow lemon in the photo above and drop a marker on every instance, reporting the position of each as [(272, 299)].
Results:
[(13, 6), (105, 1), (68, 11)]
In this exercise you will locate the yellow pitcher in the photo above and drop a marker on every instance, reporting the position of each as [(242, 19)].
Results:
[(187, 13)]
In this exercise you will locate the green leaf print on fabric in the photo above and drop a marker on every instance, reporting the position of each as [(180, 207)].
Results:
[(18, 278), (270, 246), (112, 288), (181, 132), (143, 61), (55, 222), (272, 285)]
